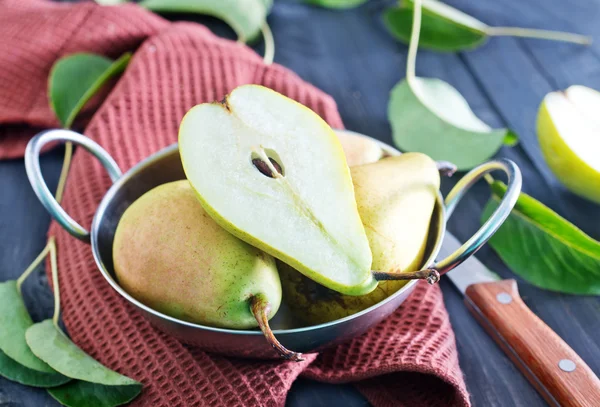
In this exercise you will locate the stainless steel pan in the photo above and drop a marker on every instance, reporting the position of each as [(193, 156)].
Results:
[(165, 166)]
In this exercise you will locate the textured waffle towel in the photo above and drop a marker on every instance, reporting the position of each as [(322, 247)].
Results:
[(410, 359)]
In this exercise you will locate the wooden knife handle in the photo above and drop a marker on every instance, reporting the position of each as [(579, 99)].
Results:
[(554, 369)]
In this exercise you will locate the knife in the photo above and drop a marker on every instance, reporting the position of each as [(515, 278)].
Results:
[(548, 362)]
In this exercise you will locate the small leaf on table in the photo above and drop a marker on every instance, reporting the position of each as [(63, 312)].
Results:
[(86, 394), (97, 385), (75, 78), (544, 248), (245, 17), (340, 4), (430, 116), (444, 28), (17, 362)]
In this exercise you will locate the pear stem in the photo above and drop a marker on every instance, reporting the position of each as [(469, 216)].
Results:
[(260, 308), (446, 168), (540, 34), (431, 275)]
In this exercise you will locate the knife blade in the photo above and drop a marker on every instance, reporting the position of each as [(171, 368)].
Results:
[(551, 366)]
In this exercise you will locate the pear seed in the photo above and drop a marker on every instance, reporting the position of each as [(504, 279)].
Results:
[(263, 167)]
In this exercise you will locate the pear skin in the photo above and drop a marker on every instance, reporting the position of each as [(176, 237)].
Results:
[(359, 150), (395, 197), (567, 128), (171, 256)]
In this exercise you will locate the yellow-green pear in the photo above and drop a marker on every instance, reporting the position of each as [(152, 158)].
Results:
[(358, 149), (396, 198), (171, 256), (568, 127), (273, 173)]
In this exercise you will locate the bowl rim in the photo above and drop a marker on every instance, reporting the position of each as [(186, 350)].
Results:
[(109, 195)]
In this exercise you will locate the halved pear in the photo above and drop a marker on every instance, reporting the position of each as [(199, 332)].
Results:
[(568, 127), (273, 173)]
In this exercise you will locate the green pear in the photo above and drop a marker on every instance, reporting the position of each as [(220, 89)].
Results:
[(273, 173), (396, 197), (171, 256), (568, 129)]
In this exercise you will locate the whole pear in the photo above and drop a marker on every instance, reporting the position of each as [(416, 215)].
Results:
[(171, 256), (358, 149), (395, 198)]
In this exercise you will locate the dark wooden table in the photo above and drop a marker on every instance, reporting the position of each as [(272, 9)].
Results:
[(350, 55)]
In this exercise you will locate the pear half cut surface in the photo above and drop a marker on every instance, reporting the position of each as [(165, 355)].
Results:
[(273, 173), (568, 127)]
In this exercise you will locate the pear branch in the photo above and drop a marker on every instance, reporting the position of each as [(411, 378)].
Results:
[(33, 266), (411, 60), (260, 308), (269, 44), (431, 275), (540, 34), (54, 268), (59, 194)]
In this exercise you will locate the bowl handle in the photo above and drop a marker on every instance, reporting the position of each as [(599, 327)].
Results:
[(494, 222), (34, 173)]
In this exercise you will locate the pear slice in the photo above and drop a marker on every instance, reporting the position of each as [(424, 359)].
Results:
[(568, 126), (273, 173)]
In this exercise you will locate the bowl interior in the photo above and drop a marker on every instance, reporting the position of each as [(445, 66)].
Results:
[(165, 166)]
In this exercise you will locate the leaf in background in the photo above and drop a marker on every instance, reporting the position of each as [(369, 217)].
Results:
[(444, 28), (340, 4), (18, 373), (430, 116), (108, 387), (17, 362), (544, 248), (441, 31), (246, 17), (75, 78)]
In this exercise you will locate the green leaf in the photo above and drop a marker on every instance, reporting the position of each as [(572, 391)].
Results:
[(17, 362), (107, 387), (430, 116), (18, 373), (245, 17), (439, 32), (85, 394), (75, 78), (544, 248), (339, 4), (444, 28)]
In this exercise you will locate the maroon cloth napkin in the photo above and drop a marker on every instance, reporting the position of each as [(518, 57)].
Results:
[(410, 359)]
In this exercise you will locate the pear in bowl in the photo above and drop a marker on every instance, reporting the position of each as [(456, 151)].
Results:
[(171, 256), (396, 198)]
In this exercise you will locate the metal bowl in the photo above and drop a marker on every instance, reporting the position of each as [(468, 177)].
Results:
[(165, 166)]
